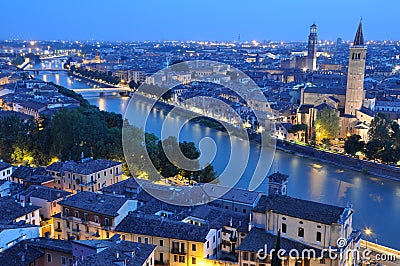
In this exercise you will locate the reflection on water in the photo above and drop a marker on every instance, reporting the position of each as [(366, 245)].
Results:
[(375, 200)]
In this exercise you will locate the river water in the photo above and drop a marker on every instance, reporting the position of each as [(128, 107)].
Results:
[(376, 201)]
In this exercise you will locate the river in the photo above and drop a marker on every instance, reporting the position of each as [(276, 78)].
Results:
[(376, 200)]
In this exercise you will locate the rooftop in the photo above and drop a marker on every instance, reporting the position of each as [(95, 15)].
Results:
[(83, 168), (259, 239), (299, 208), (121, 253), (153, 225), (94, 202), (11, 210), (42, 192)]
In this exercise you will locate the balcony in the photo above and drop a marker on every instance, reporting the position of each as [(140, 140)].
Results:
[(106, 227), (84, 221), (177, 251)]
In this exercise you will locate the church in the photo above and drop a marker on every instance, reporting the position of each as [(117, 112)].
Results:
[(351, 104)]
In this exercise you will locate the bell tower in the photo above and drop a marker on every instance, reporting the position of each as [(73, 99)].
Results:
[(355, 93), (312, 48)]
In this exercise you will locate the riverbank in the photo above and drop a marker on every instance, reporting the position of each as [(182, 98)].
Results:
[(343, 161), (340, 160)]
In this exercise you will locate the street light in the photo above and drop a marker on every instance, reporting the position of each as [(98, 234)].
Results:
[(367, 232)]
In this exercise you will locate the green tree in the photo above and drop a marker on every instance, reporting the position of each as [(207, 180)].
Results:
[(275, 260), (327, 124), (372, 149), (208, 174), (380, 127), (354, 144)]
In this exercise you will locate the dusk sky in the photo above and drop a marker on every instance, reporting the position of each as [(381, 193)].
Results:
[(197, 20)]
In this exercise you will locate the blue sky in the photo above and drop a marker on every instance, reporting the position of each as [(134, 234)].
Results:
[(197, 20)]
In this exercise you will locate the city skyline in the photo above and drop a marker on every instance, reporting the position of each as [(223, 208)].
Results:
[(222, 21)]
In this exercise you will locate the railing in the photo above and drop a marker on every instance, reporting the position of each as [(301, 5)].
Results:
[(379, 248), (177, 251)]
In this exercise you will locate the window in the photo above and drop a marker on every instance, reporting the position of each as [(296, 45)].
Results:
[(107, 234), (139, 239), (322, 261), (193, 247), (252, 256), (63, 260), (244, 210), (182, 259), (193, 260), (245, 256), (146, 240), (76, 214), (58, 225), (106, 222), (66, 212), (300, 222), (175, 258), (319, 236), (182, 247), (67, 224), (284, 228), (161, 257), (301, 232), (161, 242), (208, 244), (48, 257), (96, 219)]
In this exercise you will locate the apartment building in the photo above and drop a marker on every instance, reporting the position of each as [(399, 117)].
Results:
[(89, 215), (85, 175)]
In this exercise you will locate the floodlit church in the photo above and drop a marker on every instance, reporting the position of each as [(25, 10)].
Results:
[(351, 104)]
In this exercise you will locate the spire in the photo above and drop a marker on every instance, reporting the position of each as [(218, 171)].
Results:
[(359, 39)]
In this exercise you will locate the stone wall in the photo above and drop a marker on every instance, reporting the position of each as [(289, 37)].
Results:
[(363, 166)]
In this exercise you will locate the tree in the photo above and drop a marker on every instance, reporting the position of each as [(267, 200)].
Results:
[(380, 127), (208, 174), (327, 124), (275, 260), (133, 84), (354, 144), (372, 149), (301, 131)]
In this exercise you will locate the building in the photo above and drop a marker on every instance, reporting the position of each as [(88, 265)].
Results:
[(355, 93), (89, 215), (47, 199), (5, 170), (312, 48), (12, 211), (12, 234), (39, 252), (112, 252), (85, 175), (177, 243), (351, 104), (234, 199), (303, 225)]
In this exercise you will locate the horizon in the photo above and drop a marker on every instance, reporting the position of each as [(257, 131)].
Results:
[(162, 21)]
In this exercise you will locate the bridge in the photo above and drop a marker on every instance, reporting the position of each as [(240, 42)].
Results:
[(51, 57), (104, 91), (44, 69)]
